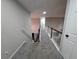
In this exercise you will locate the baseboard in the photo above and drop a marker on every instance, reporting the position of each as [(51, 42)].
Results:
[(17, 50), (55, 44)]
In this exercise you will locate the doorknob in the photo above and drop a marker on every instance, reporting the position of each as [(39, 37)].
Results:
[(66, 35)]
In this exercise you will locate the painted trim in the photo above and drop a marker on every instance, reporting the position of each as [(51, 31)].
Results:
[(57, 47), (55, 44), (65, 21), (17, 49)]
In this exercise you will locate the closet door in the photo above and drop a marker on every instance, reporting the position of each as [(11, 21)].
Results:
[(69, 43)]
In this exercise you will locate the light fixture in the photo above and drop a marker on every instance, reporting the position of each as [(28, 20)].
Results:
[(44, 12)]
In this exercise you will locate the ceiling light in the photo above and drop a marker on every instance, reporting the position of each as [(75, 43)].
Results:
[(44, 12)]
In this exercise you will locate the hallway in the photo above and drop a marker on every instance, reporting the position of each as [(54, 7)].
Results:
[(52, 21), (42, 50)]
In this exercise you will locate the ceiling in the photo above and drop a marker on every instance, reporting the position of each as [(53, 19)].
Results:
[(54, 8)]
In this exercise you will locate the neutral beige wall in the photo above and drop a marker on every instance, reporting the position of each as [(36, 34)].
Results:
[(54, 22), (35, 24), (14, 20)]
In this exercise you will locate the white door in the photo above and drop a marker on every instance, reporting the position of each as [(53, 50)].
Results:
[(69, 43)]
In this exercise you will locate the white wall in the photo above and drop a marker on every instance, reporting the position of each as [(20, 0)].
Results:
[(14, 19), (56, 23)]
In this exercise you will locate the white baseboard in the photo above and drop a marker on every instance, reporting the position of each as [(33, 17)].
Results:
[(55, 44), (17, 50), (57, 47)]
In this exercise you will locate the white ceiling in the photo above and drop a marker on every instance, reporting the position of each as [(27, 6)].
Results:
[(54, 8)]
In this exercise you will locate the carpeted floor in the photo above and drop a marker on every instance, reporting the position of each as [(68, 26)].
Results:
[(45, 49)]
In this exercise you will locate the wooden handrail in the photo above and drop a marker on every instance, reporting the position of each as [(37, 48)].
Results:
[(55, 30)]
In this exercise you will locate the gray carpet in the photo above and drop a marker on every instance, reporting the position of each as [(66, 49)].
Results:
[(42, 50)]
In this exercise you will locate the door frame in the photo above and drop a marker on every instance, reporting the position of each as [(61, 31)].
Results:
[(65, 21)]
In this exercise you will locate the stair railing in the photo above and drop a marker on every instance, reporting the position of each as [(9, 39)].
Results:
[(52, 29)]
